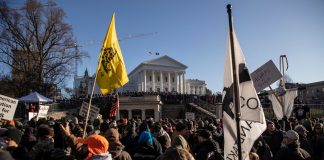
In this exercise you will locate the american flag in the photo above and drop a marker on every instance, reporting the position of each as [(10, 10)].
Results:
[(115, 107)]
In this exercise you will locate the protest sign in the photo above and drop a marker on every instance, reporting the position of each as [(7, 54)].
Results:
[(42, 113), (7, 107), (265, 76), (190, 116), (94, 111), (31, 115)]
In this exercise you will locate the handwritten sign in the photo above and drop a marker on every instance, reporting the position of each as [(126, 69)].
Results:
[(265, 76), (7, 107), (94, 111), (42, 113)]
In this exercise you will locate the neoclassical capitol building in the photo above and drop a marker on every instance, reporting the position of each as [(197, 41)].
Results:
[(162, 74)]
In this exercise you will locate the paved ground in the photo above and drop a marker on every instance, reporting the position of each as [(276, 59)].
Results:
[(58, 114)]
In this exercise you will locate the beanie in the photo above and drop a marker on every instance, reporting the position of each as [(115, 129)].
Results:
[(97, 144), (205, 134), (14, 134), (292, 135)]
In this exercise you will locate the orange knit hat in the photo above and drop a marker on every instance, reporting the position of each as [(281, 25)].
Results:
[(97, 144)]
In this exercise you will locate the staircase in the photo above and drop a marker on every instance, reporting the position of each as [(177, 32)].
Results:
[(173, 111), (203, 112)]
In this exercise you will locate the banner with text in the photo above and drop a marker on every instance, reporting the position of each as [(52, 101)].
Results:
[(7, 107), (42, 113), (94, 111)]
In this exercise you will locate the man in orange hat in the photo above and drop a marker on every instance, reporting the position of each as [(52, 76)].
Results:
[(94, 147)]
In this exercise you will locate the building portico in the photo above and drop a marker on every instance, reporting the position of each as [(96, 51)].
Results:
[(162, 74)]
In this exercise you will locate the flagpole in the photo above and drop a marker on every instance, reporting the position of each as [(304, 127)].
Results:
[(235, 84), (117, 115), (88, 112)]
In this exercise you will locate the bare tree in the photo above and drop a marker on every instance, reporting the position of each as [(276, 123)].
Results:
[(37, 46)]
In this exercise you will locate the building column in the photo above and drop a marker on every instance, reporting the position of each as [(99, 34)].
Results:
[(156, 114), (169, 82), (153, 81), (184, 83), (179, 82), (144, 81), (176, 81), (161, 80), (189, 89), (143, 114), (129, 114)]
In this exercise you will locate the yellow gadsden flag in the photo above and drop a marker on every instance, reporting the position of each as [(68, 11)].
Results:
[(111, 72)]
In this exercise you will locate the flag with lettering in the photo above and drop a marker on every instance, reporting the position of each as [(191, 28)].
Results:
[(111, 72), (252, 123), (115, 107)]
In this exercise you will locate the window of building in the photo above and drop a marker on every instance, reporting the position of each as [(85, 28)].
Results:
[(149, 113), (123, 113), (166, 89), (151, 90), (166, 79), (150, 78), (137, 114), (173, 90), (172, 79), (158, 79)]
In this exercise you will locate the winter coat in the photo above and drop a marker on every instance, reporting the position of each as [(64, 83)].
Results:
[(118, 153), (273, 140), (292, 152), (208, 150), (165, 140), (146, 151)]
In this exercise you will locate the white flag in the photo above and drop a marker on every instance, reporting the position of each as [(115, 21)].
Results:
[(288, 99), (252, 123), (249, 101)]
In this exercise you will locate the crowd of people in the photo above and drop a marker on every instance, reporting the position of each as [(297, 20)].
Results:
[(167, 139)]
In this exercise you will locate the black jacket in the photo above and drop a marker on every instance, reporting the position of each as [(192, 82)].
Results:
[(208, 150), (292, 152)]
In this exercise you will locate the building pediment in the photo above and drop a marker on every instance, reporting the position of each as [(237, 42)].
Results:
[(165, 61)]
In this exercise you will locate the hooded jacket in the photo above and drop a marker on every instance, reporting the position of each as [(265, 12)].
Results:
[(118, 153)]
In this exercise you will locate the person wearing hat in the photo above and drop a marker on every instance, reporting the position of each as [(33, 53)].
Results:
[(94, 147), (145, 149), (291, 149), (161, 135), (116, 148), (317, 139), (273, 137), (45, 142), (207, 148), (304, 142), (97, 147), (12, 139)]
